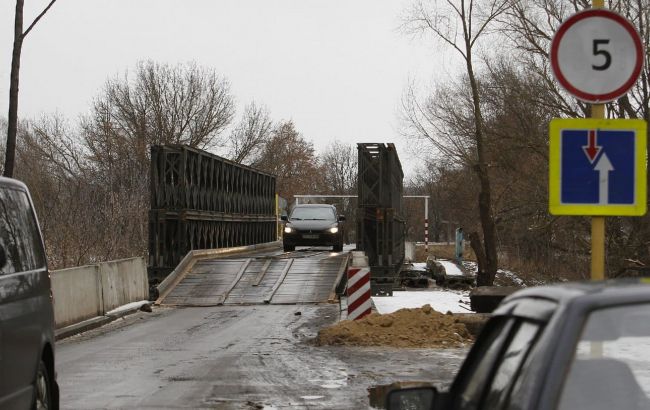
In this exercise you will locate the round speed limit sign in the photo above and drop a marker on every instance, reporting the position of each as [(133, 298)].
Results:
[(596, 55)]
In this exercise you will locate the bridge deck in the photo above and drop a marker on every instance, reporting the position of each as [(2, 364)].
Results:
[(303, 276)]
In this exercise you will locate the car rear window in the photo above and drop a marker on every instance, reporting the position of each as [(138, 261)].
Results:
[(611, 366), (313, 214), (20, 240)]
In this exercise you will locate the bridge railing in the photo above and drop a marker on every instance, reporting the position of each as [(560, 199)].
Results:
[(380, 219), (202, 201)]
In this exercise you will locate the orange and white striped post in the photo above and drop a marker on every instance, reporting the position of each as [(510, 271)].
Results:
[(359, 304)]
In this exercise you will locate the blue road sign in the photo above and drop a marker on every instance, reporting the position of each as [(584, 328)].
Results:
[(580, 177), (597, 167)]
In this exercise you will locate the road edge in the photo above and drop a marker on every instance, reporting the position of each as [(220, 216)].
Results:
[(96, 322)]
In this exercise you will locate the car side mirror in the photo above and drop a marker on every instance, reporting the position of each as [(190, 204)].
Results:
[(341, 218), (412, 398), (284, 218)]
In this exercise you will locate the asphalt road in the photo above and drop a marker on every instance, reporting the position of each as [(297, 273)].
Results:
[(249, 357)]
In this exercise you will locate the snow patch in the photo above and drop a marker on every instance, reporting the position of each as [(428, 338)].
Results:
[(451, 269), (127, 307), (440, 300), (419, 266)]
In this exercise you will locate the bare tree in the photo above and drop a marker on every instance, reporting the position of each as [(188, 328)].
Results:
[(86, 214), (340, 166), (292, 159), (340, 169), (160, 104), (530, 25), (460, 24), (51, 162), (444, 119), (12, 123), (247, 140), (163, 104)]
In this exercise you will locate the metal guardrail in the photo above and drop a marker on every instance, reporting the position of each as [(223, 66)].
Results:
[(202, 201)]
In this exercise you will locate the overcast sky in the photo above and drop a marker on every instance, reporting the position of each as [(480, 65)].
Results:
[(336, 68)]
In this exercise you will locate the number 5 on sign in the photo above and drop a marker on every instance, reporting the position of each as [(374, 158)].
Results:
[(596, 55), (605, 53)]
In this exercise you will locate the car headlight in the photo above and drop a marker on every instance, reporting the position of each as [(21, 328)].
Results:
[(288, 229), (333, 230)]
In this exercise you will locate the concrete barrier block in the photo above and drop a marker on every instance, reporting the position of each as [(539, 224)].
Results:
[(359, 259), (77, 296), (123, 281)]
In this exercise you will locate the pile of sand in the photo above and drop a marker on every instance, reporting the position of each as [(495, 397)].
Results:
[(422, 327)]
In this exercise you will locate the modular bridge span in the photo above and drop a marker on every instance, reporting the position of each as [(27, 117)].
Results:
[(259, 274)]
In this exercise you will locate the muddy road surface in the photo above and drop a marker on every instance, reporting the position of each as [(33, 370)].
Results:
[(248, 357)]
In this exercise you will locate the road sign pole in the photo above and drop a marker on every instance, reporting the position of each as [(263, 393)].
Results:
[(598, 248), (598, 222)]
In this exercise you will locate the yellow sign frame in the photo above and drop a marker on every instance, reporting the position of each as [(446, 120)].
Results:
[(638, 208)]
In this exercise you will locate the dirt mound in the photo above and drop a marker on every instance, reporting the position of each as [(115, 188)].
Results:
[(422, 327)]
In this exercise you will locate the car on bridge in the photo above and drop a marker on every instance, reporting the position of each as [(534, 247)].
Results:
[(27, 372), (313, 225), (571, 346)]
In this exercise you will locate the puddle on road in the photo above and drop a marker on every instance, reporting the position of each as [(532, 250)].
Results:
[(312, 397), (334, 383), (331, 384)]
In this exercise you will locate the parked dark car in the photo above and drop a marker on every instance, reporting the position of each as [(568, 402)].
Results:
[(313, 225), (574, 346), (27, 372)]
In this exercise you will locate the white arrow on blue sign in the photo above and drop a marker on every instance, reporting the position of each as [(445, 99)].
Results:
[(597, 167)]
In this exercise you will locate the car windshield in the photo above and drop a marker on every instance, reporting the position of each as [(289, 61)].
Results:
[(313, 214), (611, 365)]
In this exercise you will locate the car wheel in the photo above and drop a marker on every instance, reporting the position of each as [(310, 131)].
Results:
[(43, 388), (338, 248), (289, 248)]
